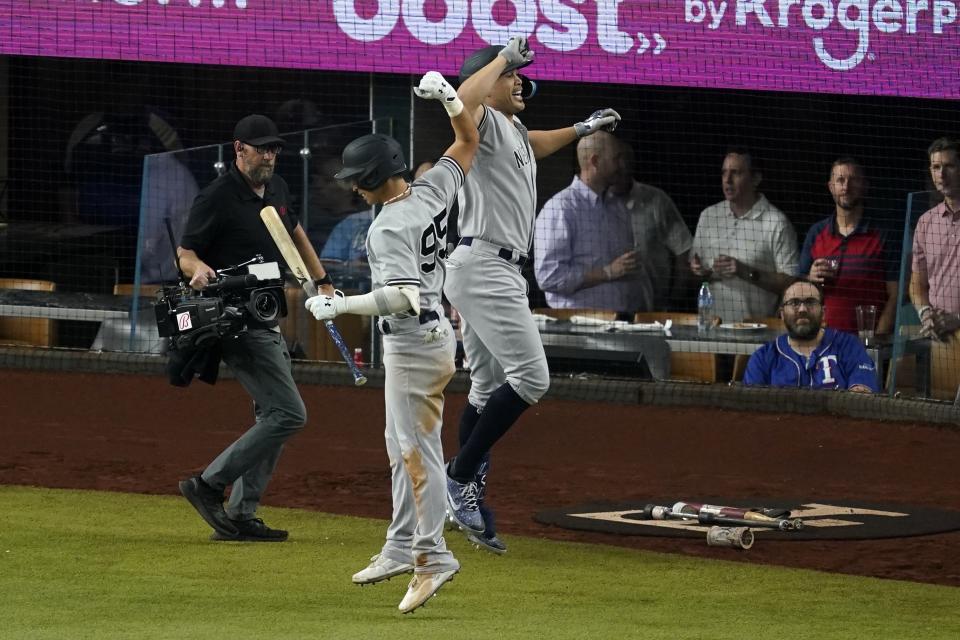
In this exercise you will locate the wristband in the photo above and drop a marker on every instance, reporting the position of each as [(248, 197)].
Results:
[(453, 107), (608, 273), (326, 279), (922, 309)]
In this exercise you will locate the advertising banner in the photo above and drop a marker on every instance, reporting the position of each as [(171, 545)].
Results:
[(864, 47)]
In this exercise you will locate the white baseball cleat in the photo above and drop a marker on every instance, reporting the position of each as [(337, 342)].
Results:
[(381, 569), (422, 587)]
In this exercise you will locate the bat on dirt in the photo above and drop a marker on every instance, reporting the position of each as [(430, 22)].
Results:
[(655, 512), (292, 257), (766, 515)]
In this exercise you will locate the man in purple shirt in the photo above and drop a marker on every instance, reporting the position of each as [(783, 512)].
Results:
[(583, 249), (935, 280)]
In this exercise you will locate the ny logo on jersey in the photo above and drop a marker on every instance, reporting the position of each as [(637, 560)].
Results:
[(522, 156)]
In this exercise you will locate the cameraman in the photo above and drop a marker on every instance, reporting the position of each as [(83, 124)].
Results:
[(224, 227)]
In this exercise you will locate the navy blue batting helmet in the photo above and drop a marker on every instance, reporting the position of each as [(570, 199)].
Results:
[(479, 59), (371, 160)]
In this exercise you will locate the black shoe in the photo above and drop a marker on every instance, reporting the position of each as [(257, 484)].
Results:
[(209, 504), (251, 531)]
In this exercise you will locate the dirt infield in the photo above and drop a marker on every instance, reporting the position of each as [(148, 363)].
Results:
[(136, 433)]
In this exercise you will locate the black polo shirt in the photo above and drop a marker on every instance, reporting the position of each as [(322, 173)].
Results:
[(224, 227)]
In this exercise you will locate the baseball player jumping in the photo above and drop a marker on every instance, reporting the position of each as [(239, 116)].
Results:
[(508, 370), (406, 247)]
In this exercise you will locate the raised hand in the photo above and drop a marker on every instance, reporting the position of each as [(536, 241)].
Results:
[(606, 119), (325, 307), (434, 86), (517, 51)]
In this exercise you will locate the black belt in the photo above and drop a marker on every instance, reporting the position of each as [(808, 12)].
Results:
[(424, 318), (506, 254)]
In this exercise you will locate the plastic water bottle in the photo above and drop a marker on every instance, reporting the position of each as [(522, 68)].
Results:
[(704, 309)]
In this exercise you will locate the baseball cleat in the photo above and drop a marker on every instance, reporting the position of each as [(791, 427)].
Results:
[(493, 544), (462, 507), (380, 569), (422, 587)]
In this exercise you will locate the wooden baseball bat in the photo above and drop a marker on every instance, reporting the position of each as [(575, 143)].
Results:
[(292, 257)]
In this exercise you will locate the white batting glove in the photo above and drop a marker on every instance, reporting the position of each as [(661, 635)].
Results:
[(433, 86), (606, 119), (325, 307), (517, 51)]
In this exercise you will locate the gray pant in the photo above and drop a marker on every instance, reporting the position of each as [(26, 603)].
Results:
[(500, 338), (260, 361), (419, 363)]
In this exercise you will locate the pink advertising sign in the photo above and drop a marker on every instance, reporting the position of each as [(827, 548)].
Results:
[(866, 47)]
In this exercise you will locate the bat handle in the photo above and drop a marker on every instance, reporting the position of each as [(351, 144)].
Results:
[(358, 378)]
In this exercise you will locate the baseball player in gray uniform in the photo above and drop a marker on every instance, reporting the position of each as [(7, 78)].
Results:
[(508, 368), (406, 247)]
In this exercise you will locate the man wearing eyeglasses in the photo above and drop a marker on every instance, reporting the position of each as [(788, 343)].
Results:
[(810, 355), (224, 229)]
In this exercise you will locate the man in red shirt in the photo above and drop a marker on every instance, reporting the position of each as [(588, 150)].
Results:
[(854, 259)]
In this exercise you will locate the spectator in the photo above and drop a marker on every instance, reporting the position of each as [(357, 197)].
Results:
[(330, 202), (167, 193), (583, 249), (347, 241), (660, 237), (744, 245), (935, 281), (811, 355), (853, 258)]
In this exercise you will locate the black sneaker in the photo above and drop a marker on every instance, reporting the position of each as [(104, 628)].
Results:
[(209, 504), (251, 531)]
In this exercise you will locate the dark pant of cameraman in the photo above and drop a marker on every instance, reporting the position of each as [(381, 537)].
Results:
[(260, 361)]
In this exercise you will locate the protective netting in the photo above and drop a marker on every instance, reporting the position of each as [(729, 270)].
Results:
[(759, 142)]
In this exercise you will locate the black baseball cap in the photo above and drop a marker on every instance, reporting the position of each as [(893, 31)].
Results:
[(257, 130), (481, 58)]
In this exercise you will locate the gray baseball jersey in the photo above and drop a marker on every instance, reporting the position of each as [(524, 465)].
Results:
[(500, 192), (406, 244)]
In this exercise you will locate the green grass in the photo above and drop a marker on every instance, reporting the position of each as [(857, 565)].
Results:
[(84, 564)]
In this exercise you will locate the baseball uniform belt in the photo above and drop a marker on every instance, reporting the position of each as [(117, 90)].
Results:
[(510, 255), (406, 325)]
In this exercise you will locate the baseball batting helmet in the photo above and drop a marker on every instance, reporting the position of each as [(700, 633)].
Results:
[(371, 160), (479, 59)]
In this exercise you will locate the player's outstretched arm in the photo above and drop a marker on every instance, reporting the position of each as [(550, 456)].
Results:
[(545, 143), (478, 86), (379, 302), (433, 86)]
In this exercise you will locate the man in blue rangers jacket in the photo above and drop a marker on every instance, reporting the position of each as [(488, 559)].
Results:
[(811, 355)]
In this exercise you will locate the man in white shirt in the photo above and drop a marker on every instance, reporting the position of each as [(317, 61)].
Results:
[(744, 246)]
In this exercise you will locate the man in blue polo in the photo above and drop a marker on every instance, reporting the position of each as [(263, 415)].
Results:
[(809, 354)]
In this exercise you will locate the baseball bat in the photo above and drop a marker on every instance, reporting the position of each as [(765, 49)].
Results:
[(655, 512), (292, 257), (738, 512)]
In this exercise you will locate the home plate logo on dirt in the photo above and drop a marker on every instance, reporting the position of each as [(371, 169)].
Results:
[(769, 519)]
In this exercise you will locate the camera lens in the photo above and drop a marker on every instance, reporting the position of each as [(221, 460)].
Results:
[(265, 306)]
